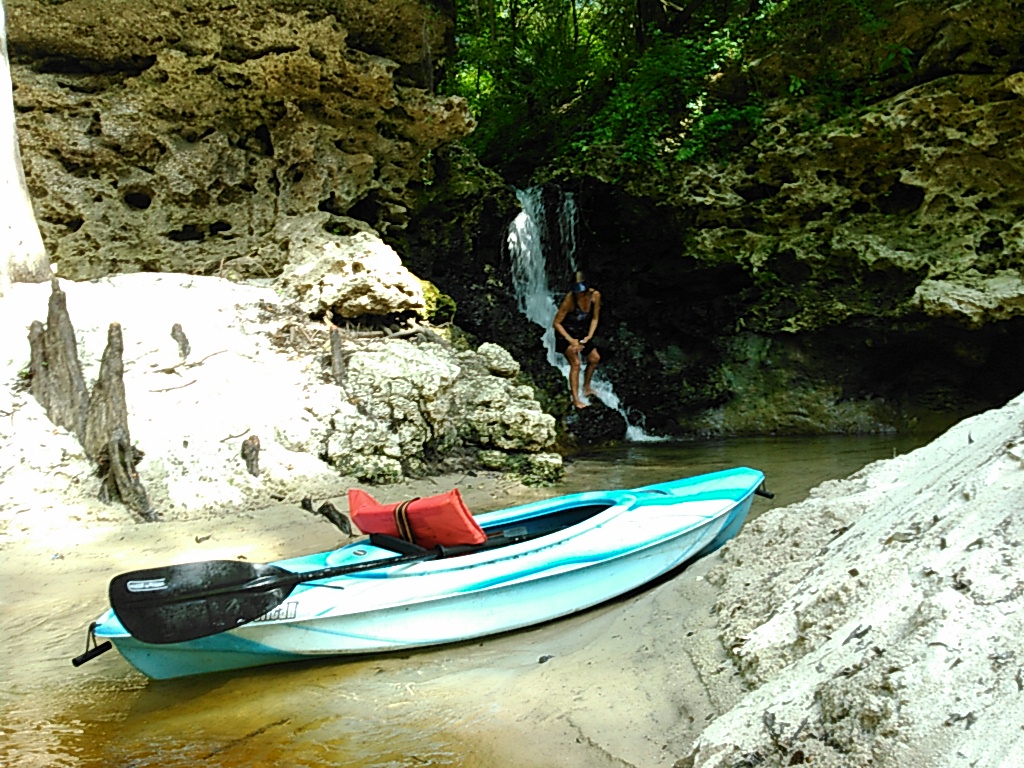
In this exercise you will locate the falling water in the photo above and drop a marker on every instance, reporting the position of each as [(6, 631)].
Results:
[(533, 294)]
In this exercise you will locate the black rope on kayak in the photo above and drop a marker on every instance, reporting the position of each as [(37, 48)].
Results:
[(402, 520), (92, 648)]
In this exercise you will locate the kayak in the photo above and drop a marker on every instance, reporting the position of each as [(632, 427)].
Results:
[(472, 576)]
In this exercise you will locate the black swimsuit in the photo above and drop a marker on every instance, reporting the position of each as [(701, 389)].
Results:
[(577, 325)]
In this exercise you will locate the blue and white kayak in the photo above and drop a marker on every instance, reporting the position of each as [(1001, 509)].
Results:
[(541, 561)]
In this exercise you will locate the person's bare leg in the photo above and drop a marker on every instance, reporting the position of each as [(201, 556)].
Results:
[(592, 360), (574, 378)]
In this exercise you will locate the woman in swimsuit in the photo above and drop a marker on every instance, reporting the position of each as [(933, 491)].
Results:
[(575, 325)]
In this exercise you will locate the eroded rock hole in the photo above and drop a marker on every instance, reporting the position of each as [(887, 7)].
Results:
[(991, 242), (902, 198), (365, 210), (189, 232), (263, 137), (331, 205), (192, 135), (140, 201)]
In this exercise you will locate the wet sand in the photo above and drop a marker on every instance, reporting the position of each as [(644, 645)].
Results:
[(53, 582)]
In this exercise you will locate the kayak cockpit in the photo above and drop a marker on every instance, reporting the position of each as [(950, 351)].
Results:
[(500, 535)]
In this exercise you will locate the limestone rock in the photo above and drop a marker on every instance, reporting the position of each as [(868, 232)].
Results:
[(498, 360), (352, 276), (915, 186), (365, 448), (596, 424), (884, 622), (503, 416), (163, 136), (870, 246), (410, 408), (539, 468), (973, 298)]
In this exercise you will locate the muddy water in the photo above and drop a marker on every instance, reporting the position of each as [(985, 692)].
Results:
[(368, 712)]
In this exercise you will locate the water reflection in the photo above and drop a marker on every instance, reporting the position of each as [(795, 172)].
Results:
[(314, 714), (317, 714)]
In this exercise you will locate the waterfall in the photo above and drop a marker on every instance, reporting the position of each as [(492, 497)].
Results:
[(534, 296)]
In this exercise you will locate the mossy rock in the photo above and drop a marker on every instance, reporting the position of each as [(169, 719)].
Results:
[(438, 308)]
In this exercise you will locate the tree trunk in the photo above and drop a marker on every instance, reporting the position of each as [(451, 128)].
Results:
[(338, 368), (120, 480), (108, 410), (22, 254), (57, 382), (251, 454), (98, 419)]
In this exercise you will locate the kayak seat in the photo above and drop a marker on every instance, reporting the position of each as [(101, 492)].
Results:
[(395, 544), (427, 522)]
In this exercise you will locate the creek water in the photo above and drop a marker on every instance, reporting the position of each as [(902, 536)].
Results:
[(368, 712)]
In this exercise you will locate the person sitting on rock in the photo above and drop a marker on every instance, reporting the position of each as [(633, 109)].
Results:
[(575, 325)]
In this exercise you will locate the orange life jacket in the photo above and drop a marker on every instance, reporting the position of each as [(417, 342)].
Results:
[(443, 519)]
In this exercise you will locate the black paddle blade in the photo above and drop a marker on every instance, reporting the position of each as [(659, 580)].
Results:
[(184, 602)]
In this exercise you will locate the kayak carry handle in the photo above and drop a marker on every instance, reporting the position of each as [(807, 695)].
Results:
[(92, 653), (92, 649), (762, 492)]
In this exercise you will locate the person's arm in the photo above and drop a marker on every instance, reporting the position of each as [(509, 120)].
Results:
[(563, 310), (595, 318)]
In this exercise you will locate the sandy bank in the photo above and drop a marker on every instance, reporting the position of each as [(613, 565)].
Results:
[(877, 623)]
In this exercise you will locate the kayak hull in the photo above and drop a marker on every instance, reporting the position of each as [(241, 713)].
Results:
[(634, 537)]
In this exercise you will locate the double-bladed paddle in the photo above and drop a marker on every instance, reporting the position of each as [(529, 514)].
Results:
[(176, 603)]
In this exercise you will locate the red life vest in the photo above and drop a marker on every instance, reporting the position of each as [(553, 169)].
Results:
[(443, 519)]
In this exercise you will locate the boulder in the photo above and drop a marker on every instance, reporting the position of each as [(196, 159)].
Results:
[(596, 424), (350, 276), (410, 407)]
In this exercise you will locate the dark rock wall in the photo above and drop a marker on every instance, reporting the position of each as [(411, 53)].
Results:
[(458, 239), (856, 267)]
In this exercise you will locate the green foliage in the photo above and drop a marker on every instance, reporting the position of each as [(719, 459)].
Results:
[(633, 82), (663, 89), (715, 133), (813, 29), (662, 110), (815, 22), (524, 72), (897, 56)]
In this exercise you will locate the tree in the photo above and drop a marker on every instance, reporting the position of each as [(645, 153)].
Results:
[(23, 258)]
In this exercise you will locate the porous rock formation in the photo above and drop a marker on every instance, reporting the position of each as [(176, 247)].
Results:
[(857, 265), (854, 267), (255, 373), (410, 408), (170, 135), (271, 138), (876, 622), (353, 276)]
